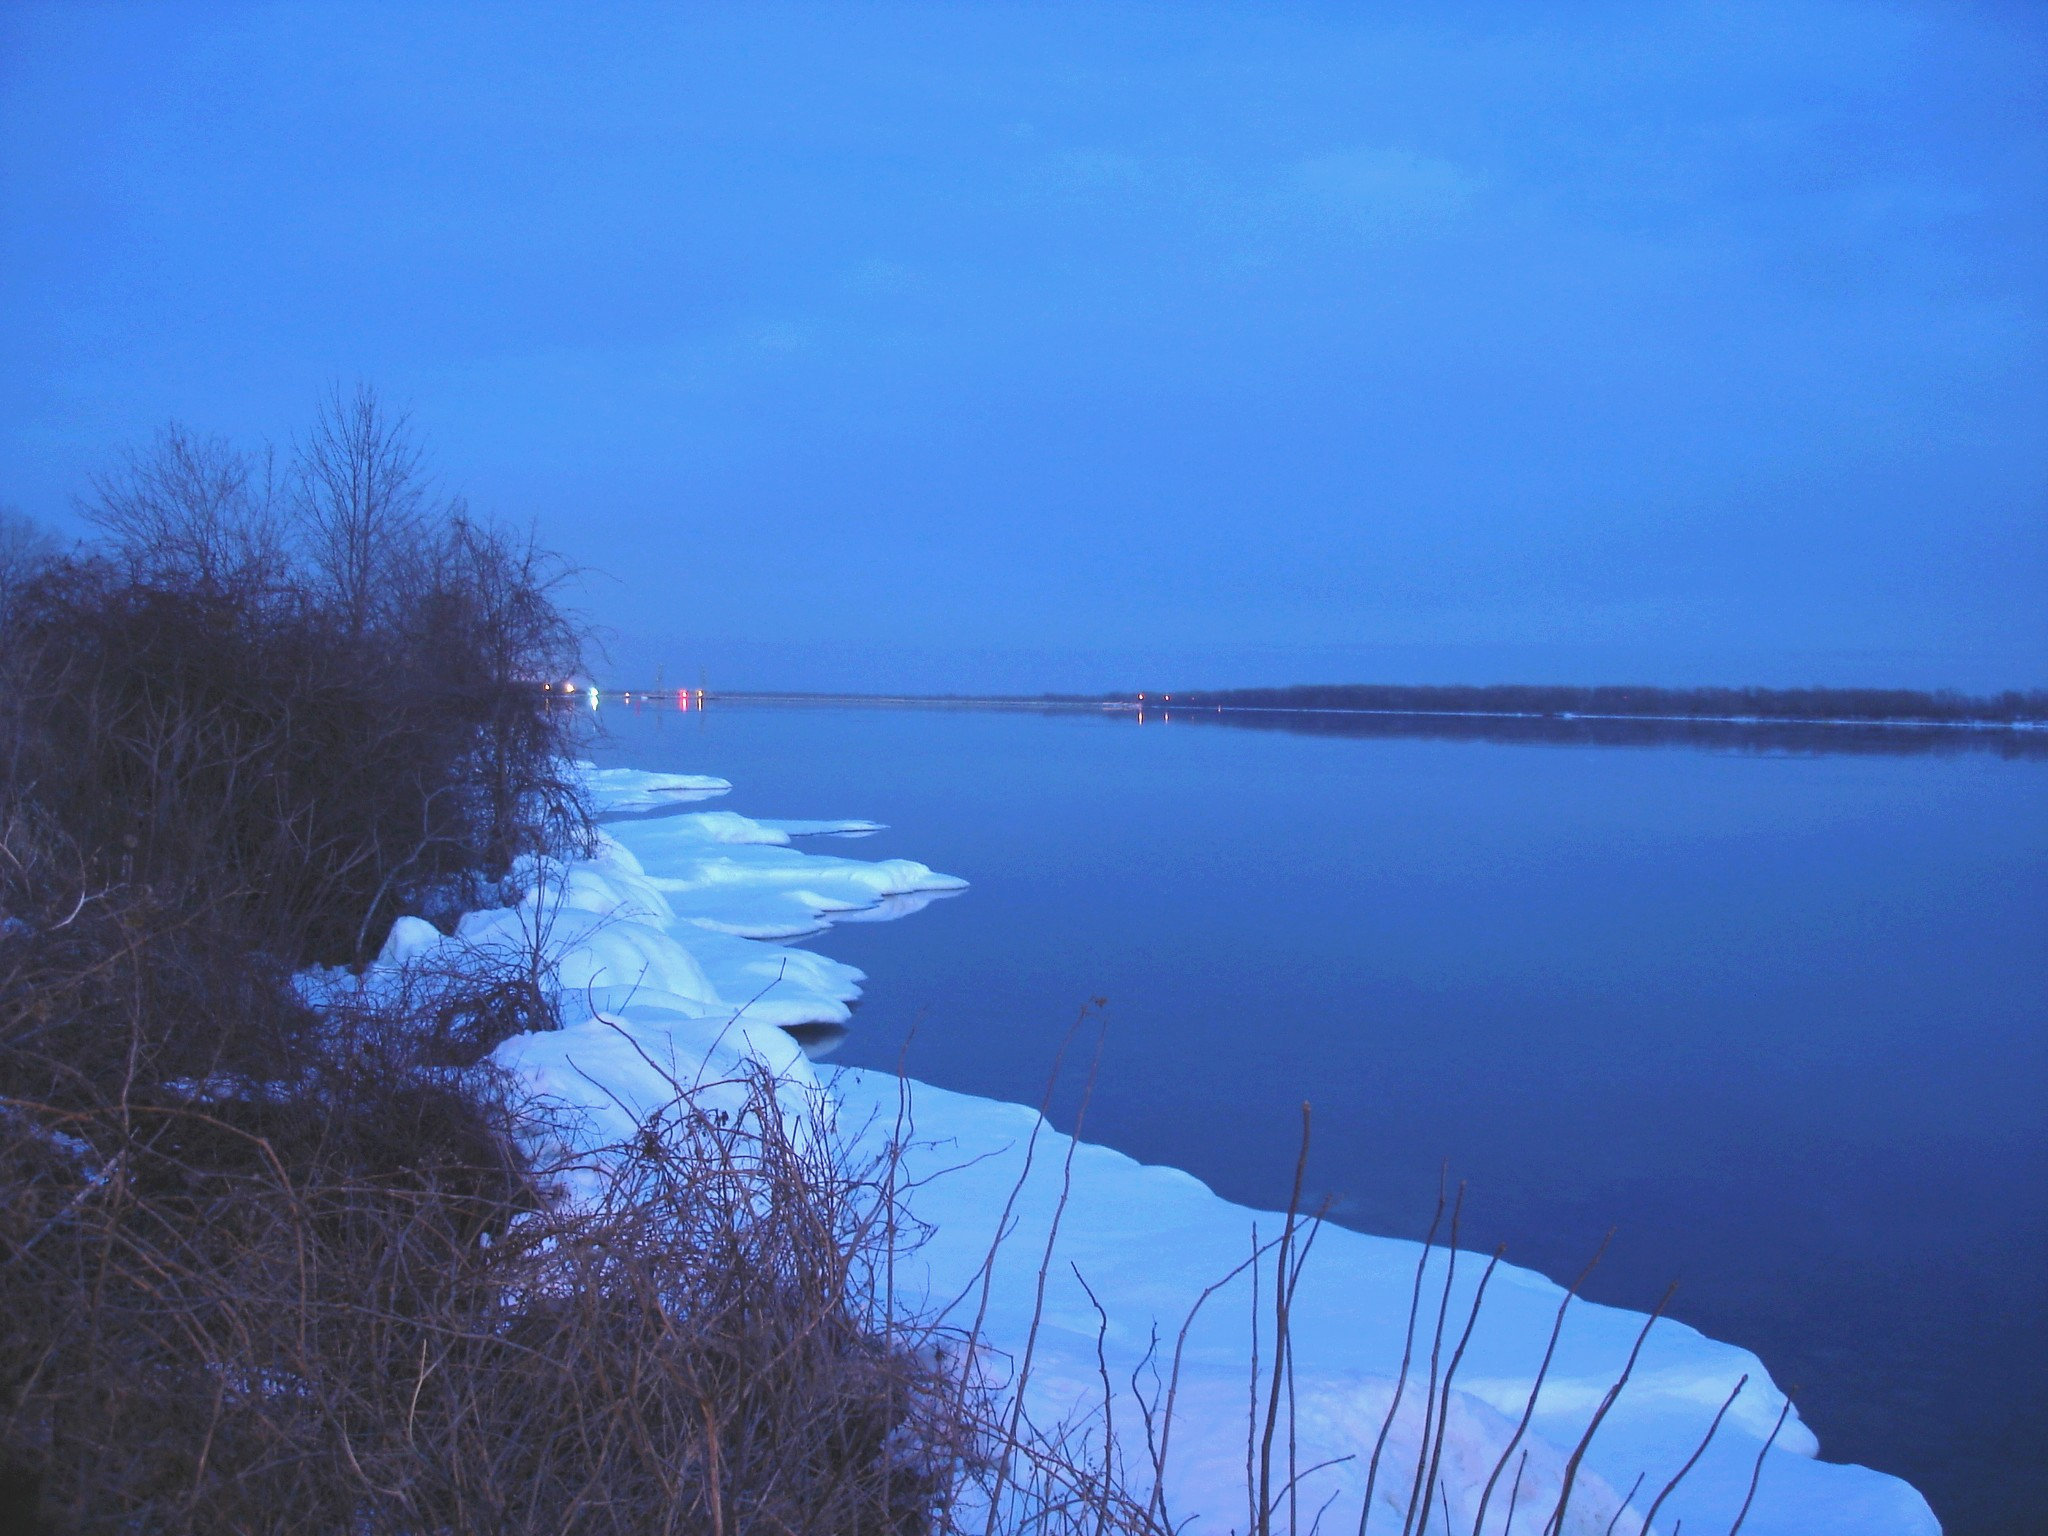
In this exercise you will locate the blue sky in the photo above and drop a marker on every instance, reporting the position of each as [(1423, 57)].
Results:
[(1085, 346)]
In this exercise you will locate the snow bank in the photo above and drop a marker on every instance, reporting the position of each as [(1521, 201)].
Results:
[(611, 938), (616, 790), (1148, 1240), (731, 875), (661, 948)]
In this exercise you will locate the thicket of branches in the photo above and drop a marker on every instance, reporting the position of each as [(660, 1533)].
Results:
[(310, 699)]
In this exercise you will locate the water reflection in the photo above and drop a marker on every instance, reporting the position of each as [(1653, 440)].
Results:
[(1768, 737), (1763, 736)]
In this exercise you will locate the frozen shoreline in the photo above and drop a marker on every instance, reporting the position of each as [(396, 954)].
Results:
[(667, 962)]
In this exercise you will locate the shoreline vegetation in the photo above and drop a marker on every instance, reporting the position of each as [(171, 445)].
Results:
[(385, 1146), (2013, 725), (2011, 710)]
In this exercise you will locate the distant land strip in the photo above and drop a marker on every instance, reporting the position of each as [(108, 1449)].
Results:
[(2011, 710), (1735, 706), (1038, 701)]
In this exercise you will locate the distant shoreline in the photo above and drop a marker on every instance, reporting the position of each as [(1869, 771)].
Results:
[(1844, 709)]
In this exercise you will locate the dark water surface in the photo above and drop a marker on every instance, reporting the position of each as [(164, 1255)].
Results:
[(1781, 1017)]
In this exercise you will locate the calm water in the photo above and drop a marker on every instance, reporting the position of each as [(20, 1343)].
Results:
[(1781, 1018)]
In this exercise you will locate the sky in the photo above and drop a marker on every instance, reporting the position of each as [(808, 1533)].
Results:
[(1022, 347)]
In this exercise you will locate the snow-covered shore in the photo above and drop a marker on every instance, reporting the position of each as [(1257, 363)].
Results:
[(665, 949)]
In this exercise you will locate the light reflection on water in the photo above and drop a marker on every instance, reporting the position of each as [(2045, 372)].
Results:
[(1773, 1009)]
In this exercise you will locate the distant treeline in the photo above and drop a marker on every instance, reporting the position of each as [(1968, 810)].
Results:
[(1857, 704)]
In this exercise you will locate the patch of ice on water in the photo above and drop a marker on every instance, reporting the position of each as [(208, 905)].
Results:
[(825, 828), (636, 789), (733, 875), (729, 827)]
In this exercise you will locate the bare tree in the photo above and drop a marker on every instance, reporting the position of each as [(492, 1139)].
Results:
[(513, 588), (192, 511), (360, 490)]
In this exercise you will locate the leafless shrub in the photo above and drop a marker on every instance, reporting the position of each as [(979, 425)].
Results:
[(360, 492), (193, 512), (312, 748), (220, 1337)]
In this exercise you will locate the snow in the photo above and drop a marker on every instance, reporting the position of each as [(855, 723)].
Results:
[(1148, 1240), (690, 941), (825, 828), (662, 947), (613, 790), (597, 1081), (733, 875)]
